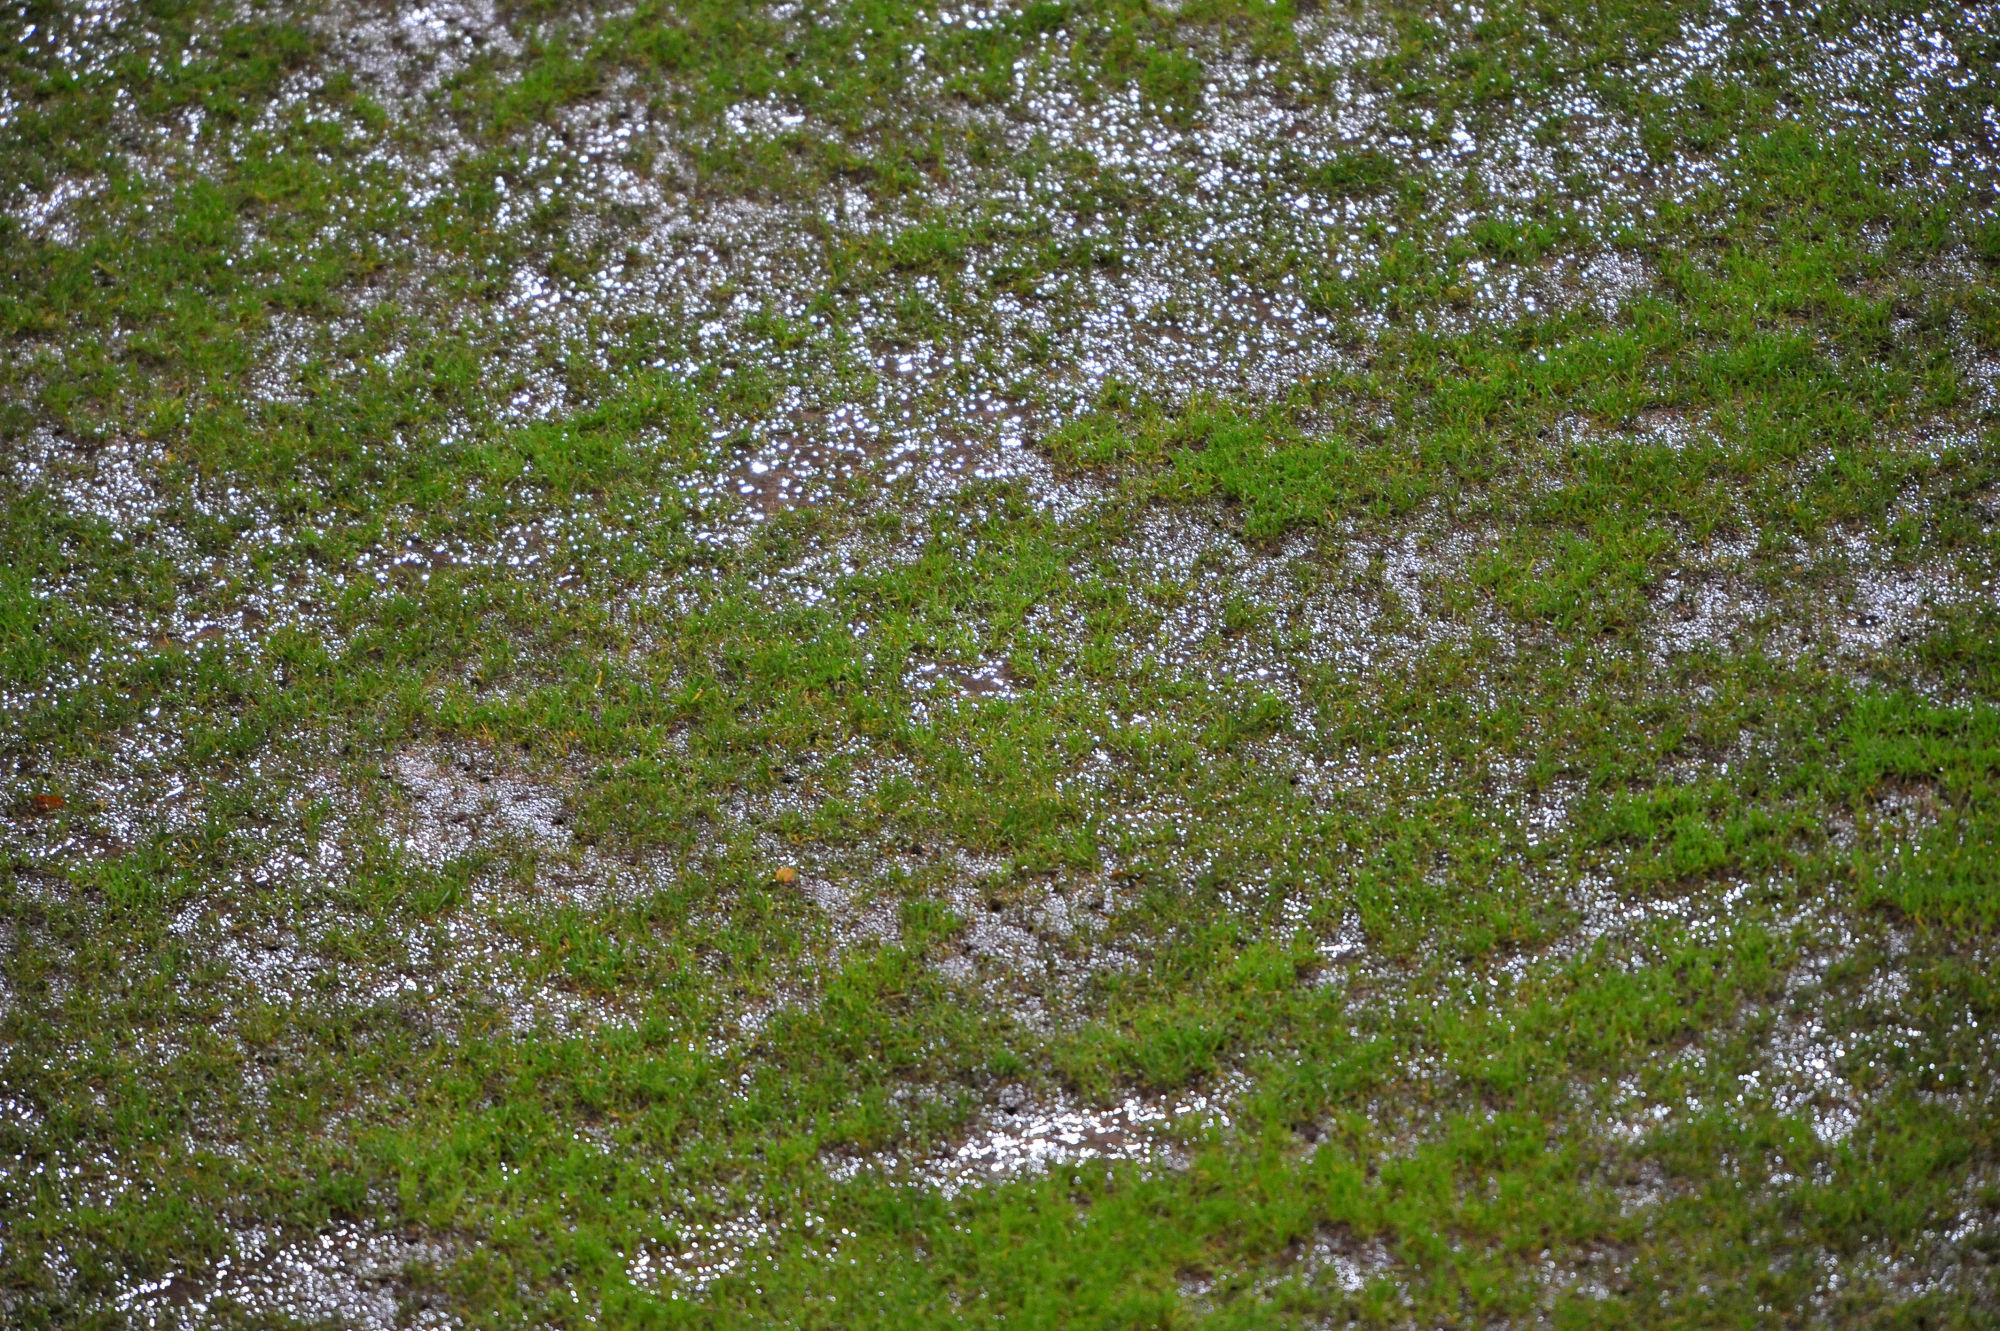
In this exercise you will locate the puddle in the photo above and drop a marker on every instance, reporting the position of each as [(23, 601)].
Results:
[(1840, 601), (404, 54), (938, 684), (1023, 1135), (856, 919), (346, 1276), (706, 1251), (1335, 1257), (1804, 1061), (455, 800), (1036, 953)]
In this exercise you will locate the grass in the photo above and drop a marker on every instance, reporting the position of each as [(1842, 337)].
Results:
[(1468, 756)]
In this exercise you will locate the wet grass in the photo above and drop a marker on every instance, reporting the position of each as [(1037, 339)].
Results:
[(1526, 758)]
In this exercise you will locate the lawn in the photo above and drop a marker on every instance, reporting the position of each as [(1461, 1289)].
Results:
[(1120, 663)]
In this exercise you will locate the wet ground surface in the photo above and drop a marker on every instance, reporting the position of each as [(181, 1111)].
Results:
[(823, 664)]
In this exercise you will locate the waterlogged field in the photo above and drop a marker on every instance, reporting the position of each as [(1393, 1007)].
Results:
[(1113, 663)]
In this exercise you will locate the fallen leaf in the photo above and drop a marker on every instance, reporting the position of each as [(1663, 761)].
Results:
[(45, 803), (788, 874)]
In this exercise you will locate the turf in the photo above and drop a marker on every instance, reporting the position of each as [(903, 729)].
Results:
[(1092, 664)]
